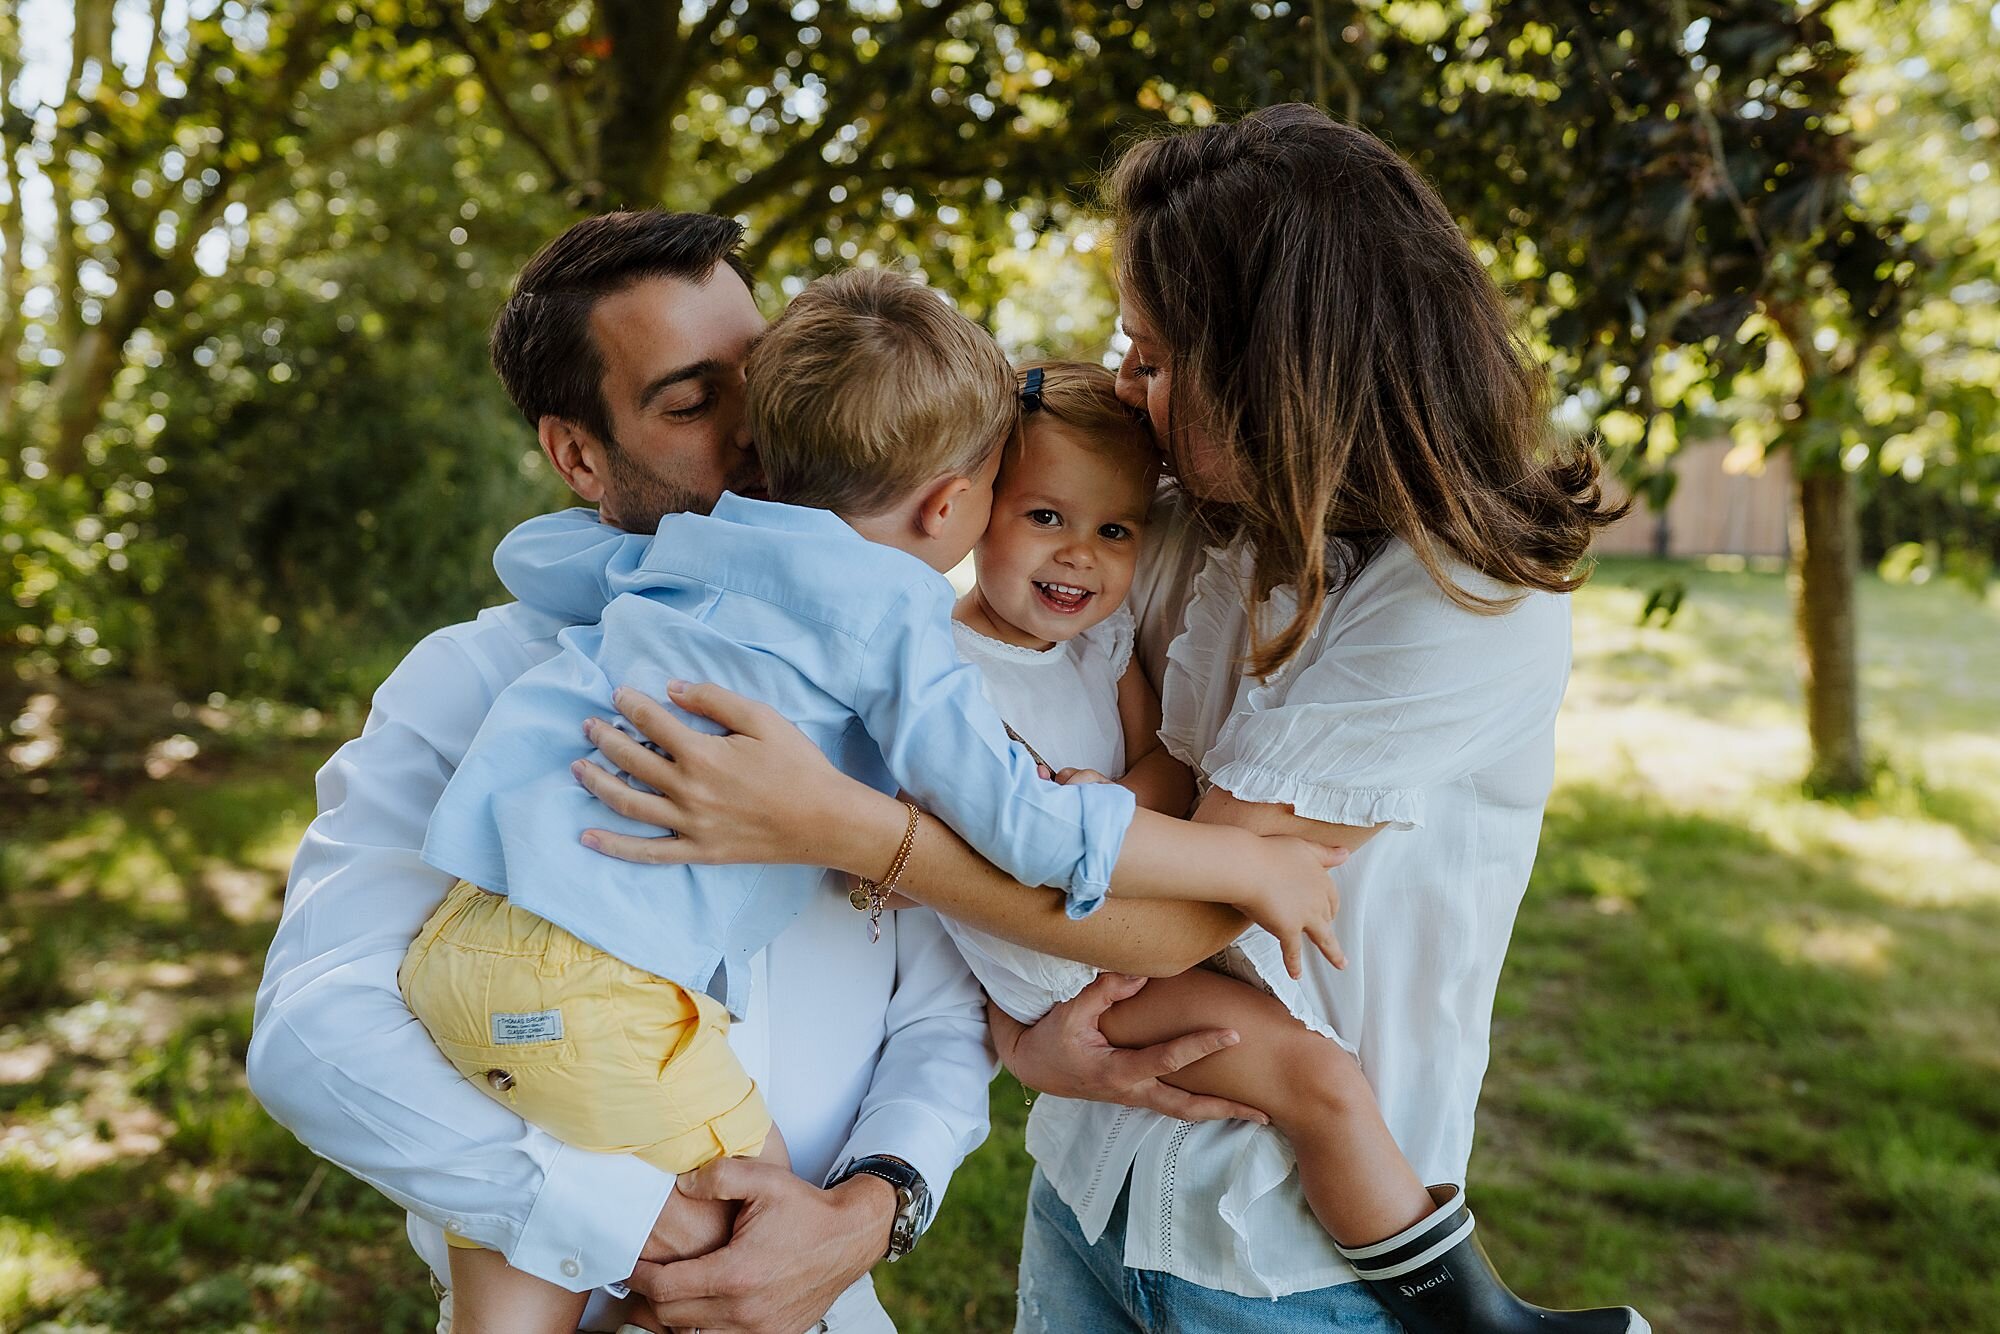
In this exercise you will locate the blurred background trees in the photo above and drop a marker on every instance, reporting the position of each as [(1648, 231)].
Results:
[(251, 446)]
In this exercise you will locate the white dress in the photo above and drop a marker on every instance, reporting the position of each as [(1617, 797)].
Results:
[(1063, 701)]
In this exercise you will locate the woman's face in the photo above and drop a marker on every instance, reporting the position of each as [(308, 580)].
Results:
[(1203, 464)]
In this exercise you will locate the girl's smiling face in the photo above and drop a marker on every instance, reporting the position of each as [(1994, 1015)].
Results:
[(1060, 550)]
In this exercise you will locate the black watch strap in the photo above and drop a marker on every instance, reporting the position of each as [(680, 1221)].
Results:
[(913, 1197)]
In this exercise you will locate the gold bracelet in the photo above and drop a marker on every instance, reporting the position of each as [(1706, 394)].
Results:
[(872, 896)]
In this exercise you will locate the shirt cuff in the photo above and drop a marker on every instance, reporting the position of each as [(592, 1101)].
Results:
[(1108, 811), (1397, 807), (591, 1219), (914, 1133)]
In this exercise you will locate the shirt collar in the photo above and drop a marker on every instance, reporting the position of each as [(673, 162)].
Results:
[(732, 508)]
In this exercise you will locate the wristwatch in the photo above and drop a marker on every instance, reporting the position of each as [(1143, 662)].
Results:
[(913, 1197)]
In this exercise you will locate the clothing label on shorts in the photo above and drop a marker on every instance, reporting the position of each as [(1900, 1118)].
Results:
[(511, 1030)]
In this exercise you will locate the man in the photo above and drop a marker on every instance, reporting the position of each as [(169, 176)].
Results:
[(623, 345)]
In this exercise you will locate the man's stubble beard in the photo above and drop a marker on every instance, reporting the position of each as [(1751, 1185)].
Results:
[(640, 497)]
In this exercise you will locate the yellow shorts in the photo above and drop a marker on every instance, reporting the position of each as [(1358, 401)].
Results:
[(598, 1053)]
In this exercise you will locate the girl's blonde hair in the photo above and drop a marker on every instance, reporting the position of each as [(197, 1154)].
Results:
[(1084, 395)]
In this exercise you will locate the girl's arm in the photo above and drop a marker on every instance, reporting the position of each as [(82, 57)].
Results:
[(1161, 782)]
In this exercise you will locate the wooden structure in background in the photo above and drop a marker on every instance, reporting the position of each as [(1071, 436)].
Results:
[(1713, 511)]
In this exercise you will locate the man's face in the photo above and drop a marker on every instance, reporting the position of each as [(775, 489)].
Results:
[(673, 352)]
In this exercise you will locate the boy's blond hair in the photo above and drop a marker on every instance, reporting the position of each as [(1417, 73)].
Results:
[(869, 385)]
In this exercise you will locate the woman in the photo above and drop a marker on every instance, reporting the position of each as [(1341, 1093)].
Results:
[(1353, 607)]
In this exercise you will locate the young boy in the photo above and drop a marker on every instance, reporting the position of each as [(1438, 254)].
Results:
[(594, 996)]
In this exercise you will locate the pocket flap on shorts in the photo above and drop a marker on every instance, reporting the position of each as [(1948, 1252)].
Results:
[(472, 1058)]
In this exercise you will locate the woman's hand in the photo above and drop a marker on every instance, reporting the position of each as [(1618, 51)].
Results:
[(1067, 1054), (1291, 895), (762, 793)]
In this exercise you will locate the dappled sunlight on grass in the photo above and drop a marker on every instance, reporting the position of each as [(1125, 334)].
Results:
[(133, 932), (1746, 1063), (37, 1271), (1728, 1007), (1864, 947)]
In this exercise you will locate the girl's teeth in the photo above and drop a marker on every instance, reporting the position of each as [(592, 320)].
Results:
[(1064, 596)]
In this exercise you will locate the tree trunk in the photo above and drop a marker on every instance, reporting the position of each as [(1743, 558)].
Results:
[(632, 98), (1824, 559), (90, 368), (13, 285)]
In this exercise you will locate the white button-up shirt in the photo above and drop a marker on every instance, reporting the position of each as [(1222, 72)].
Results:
[(860, 1049), (1403, 709)]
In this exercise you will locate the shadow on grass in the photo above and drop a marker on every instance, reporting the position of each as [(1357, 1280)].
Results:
[(1735, 1080), (193, 864), (141, 1187), (224, 1223), (1736, 1083)]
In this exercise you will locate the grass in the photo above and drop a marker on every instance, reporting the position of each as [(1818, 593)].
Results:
[(1746, 1063)]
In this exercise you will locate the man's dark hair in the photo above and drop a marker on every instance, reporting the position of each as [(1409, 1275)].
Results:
[(541, 343)]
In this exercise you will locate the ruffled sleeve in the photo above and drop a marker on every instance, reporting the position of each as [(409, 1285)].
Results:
[(1402, 692), (1109, 644)]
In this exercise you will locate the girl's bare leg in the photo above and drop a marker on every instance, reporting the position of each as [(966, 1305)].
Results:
[(637, 1313), (1357, 1181), (490, 1296)]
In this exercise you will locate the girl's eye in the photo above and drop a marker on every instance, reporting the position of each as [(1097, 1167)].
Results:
[(1044, 518), (1115, 532)]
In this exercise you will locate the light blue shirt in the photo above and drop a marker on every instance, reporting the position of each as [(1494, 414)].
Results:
[(849, 639)]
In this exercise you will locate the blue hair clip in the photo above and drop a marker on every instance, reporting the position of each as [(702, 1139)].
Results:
[(1031, 391)]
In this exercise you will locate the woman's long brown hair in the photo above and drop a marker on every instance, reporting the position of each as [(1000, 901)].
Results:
[(1328, 326)]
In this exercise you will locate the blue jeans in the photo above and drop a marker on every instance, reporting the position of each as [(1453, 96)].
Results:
[(1069, 1286)]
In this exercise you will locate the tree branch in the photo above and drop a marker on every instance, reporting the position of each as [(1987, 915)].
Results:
[(1324, 60), (687, 60), (148, 80), (563, 177), (795, 163)]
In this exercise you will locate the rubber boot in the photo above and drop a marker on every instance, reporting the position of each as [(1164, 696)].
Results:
[(1434, 1277)]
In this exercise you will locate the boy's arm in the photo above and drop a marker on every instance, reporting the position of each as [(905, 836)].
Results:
[(1160, 782), (943, 742)]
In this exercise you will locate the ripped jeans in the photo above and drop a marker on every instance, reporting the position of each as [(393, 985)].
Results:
[(1069, 1285)]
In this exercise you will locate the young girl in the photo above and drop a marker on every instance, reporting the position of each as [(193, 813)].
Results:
[(1046, 626)]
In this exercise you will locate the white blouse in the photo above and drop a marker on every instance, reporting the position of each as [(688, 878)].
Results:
[(1403, 709)]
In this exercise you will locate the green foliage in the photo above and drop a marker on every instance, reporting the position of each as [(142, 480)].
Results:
[(1741, 215)]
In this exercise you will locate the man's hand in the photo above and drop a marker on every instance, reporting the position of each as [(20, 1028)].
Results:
[(794, 1249), (1067, 1054)]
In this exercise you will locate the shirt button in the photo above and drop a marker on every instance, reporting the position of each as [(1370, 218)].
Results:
[(455, 1225), (571, 1268)]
